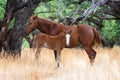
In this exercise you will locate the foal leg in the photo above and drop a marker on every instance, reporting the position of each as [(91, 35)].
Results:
[(91, 54), (37, 55), (57, 58), (55, 54)]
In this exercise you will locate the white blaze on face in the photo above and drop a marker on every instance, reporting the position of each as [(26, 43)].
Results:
[(67, 39)]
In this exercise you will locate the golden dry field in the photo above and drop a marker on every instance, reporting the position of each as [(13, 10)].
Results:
[(75, 65)]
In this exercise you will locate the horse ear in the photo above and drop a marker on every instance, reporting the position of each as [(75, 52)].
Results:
[(35, 17), (70, 31)]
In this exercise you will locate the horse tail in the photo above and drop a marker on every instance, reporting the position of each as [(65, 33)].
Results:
[(97, 36)]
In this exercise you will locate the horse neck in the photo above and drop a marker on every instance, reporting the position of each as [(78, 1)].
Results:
[(49, 27)]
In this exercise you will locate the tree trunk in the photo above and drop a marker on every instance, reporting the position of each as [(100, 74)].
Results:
[(15, 38)]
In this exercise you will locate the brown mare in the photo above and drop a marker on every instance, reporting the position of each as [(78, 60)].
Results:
[(52, 42), (81, 34)]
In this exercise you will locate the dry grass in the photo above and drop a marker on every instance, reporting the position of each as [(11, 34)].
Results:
[(75, 66)]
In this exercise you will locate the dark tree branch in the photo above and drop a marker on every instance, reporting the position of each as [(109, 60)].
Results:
[(98, 23), (78, 2), (21, 10)]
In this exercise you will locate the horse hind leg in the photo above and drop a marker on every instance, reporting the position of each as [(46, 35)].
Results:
[(91, 54)]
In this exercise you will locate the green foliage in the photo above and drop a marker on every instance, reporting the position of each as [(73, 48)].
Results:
[(46, 10), (11, 23), (25, 43), (2, 8), (57, 9), (111, 31)]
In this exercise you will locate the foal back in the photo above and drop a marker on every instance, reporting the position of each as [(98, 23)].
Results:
[(48, 41)]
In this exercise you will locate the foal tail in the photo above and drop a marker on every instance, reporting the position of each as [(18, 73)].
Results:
[(97, 36)]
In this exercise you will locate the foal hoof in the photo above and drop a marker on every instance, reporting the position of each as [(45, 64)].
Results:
[(58, 68), (55, 68)]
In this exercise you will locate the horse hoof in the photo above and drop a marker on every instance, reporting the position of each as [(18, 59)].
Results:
[(92, 61)]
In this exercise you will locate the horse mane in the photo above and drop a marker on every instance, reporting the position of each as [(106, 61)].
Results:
[(46, 21)]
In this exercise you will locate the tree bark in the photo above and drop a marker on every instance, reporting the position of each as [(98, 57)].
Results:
[(21, 10), (15, 38)]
